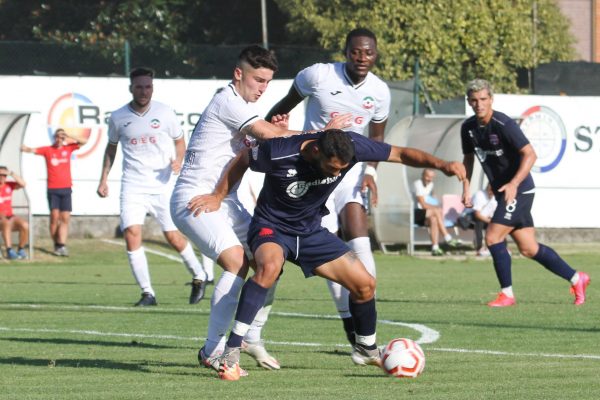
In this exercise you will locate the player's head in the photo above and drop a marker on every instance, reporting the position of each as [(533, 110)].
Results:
[(361, 53), (253, 72), (3, 172), (480, 97), (334, 151), (141, 86), (59, 136)]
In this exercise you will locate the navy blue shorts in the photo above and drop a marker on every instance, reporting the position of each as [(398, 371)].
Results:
[(517, 214), (308, 252), (60, 199)]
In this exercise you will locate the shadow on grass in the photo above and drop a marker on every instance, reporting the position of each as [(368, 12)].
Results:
[(132, 344)]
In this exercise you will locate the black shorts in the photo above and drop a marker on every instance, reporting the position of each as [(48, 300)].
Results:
[(420, 216), (517, 214), (60, 199), (308, 252)]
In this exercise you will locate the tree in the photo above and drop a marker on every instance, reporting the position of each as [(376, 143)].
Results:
[(454, 40)]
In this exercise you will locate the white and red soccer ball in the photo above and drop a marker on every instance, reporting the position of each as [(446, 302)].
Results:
[(403, 358)]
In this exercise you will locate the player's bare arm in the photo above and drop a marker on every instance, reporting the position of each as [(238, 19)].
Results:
[(179, 154), (263, 130), (285, 105), (528, 158), (231, 176), (109, 159), (376, 131), (27, 149), (420, 159), (468, 161)]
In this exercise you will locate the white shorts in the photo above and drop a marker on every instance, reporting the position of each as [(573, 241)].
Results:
[(348, 191), (135, 206), (216, 231)]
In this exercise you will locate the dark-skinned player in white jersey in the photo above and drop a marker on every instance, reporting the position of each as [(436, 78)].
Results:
[(300, 173)]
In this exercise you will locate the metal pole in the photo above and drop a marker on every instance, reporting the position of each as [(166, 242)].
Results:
[(126, 56), (533, 43), (416, 88), (263, 12)]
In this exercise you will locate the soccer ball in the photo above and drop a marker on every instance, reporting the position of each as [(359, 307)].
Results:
[(403, 358)]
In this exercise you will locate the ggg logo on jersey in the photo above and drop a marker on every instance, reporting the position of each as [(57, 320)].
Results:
[(368, 102), (547, 133), (73, 112)]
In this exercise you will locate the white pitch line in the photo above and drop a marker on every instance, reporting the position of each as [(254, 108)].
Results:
[(148, 250), (296, 344), (428, 335)]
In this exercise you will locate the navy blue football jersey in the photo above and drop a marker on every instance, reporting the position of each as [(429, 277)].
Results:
[(497, 146), (294, 193)]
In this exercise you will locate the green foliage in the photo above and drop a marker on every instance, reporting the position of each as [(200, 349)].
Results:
[(454, 41)]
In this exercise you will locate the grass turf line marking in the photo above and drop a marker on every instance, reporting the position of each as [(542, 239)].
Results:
[(158, 253), (297, 344)]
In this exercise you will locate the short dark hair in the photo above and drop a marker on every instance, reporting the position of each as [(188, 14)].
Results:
[(357, 33), (336, 143), (141, 71), (258, 57)]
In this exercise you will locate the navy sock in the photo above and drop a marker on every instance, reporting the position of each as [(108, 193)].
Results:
[(364, 316), (252, 298), (349, 329), (502, 263), (552, 262)]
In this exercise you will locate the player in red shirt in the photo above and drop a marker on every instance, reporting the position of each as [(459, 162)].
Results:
[(58, 164), (8, 221)]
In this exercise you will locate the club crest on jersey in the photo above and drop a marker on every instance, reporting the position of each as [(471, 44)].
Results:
[(368, 102), (494, 140), (155, 124), (291, 173)]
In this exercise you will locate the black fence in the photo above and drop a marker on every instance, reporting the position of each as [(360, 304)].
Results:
[(189, 61)]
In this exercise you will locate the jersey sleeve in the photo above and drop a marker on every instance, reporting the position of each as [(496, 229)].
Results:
[(514, 135), (113, 132), (369, 150), (238, 114), (467, 145), (260, 157), (307, 80), (175, 128), (41, 151), (382, 109)]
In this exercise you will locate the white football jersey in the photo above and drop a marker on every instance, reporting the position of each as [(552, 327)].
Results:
[(215, 141), (330, 91), (147, 143)]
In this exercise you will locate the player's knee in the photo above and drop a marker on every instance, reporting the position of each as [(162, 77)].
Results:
[(528, 251), (365, 290), (267, 273)]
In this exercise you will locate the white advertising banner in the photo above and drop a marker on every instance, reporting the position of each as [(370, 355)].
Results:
[(565, 132), (83, 105)]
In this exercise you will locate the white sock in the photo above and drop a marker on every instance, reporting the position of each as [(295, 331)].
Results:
[(575, 278), (448, 237), (191, 262), (435, 246), (362, 247), (139, 267), (223, 304), (209, 267), (254, 333), (341, 298), (508, 291)]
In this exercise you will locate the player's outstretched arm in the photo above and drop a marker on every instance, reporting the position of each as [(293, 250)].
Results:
[(263, 130), (27, 149), (468, 161), (231, 176), (420, 159)]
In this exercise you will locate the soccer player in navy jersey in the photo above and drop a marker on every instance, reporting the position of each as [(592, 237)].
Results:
[(506, 157), (300, 173)]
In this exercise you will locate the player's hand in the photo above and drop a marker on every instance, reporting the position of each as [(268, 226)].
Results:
[(455, 168), (510, 192), (102, 189), (340, 121), (175, 166), (204, 203), (281, 120), (466, 200), (368, 184)]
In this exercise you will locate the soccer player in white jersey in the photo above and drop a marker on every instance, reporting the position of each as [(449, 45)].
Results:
[(229, 123), (346, 87), (147, 130)]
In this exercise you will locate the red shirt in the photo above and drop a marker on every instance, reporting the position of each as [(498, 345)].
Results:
[(6, 191), (58, 163)]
